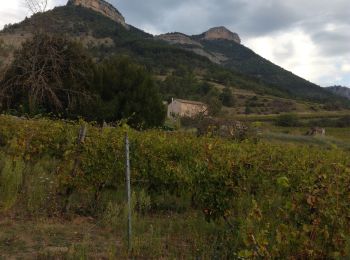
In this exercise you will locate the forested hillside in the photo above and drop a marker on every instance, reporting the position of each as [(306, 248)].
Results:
[(104, 38)]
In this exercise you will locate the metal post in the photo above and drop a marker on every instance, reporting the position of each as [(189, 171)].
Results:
[(128, 187)]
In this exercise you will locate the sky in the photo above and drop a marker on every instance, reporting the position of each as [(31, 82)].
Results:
[(311, 38)]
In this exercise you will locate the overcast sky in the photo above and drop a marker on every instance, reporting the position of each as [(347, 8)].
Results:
[(309, 37)]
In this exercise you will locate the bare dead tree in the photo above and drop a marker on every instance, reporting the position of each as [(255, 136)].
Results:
[(36, 6), (50, 72)]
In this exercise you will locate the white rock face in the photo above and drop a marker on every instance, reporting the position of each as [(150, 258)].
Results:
[(102, 7), (221, 33), (178, 38)]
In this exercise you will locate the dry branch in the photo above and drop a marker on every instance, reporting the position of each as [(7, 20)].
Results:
[(36, 6)]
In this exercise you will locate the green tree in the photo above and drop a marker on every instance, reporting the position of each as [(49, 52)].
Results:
[(288, 120), (227, 97), (128, 92)]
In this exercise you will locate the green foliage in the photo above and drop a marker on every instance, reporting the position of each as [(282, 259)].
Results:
[(245, 61), (287, 120), (248, 110), (127, 92), (41, 188), (51, 74), (266, 200), (11, 178), (183, 83), (143, 202), (243, 69), (112, 216), (343, 121), (227, 97)]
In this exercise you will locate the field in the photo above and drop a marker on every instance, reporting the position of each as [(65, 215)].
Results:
[(193, 197)]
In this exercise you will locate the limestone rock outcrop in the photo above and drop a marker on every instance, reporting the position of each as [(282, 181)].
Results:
[(102, 7), (221, 33), (195, 43), (178, 38)]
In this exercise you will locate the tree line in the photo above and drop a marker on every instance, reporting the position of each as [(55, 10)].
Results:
[(53, 75)]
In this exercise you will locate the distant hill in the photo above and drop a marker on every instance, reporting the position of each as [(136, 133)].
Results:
[(341, 91), (224, 47), (215, 55)]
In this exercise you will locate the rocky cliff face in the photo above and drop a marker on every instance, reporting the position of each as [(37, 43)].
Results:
[(178, 38), (195, 43), (102, 7), (221, 33)]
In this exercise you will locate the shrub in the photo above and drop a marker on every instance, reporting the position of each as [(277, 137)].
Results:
[(343, 121), (127, 92), (10, 181), (227, 97), (41, 182), (287, 120), (48, 74)]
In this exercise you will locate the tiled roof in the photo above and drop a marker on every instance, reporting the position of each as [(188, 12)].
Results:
[(190, 102)]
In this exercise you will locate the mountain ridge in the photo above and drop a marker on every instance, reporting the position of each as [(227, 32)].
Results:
[(104, 36)]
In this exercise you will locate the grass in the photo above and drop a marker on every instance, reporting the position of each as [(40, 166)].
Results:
[(335, 137), (180, 236), (327, 142), (302, 116)]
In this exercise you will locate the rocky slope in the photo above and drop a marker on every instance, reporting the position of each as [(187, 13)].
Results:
[(221, 33), (178, 38), (193, 43), (102, 7)]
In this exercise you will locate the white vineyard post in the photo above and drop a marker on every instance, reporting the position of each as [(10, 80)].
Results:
[(128, 188)]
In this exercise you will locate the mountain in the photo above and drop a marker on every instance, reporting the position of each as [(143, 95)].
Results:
[(341, 91), (216, 55), (224, 47)]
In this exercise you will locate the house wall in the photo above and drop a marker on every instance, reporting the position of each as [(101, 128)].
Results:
[(191, 110), (174, 108), (185, 109)]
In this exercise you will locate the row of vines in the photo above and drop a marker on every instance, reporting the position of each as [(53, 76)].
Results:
[(275, 201)]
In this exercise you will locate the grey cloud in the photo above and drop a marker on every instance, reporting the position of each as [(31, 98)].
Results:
[(248, 17), (333, 43), (284, 51)]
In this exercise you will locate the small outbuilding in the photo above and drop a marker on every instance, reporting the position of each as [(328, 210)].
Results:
[(186, 108)]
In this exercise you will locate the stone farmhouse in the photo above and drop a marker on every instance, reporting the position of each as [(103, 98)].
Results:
[(186, 108)]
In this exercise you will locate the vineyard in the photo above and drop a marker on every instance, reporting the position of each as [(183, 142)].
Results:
[(249, 199)]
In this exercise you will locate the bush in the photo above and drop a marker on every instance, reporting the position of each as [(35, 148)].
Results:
[(49, 74), (227, 97), (288, 120), (53, 75), (11, 179), (343, 121), (128, 92)]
